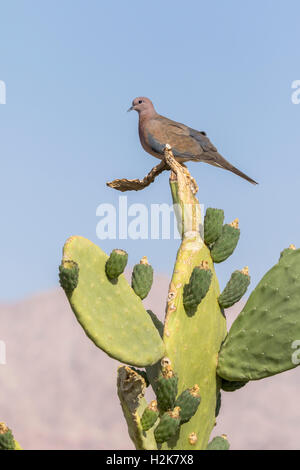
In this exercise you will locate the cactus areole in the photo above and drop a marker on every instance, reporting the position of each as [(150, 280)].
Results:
[(190, 358)]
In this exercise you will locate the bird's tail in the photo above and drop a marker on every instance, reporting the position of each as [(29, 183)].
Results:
[(220, 162)]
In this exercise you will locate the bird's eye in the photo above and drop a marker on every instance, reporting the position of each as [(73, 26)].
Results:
[(140, 101)]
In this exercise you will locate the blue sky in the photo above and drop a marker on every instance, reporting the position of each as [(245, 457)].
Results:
[(72, 69)]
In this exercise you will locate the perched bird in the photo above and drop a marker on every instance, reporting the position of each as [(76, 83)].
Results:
[(187, 144)]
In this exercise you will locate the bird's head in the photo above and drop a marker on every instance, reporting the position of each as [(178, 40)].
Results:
[(142, 105)]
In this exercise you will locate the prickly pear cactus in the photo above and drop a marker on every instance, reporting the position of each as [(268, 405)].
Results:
[(190, 357)]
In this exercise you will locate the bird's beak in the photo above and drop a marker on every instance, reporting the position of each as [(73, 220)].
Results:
[(130, 109)]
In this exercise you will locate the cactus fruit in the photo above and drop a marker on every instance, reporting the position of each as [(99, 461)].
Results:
[(68, 275), (168, 425), (213, 225), (166, 389), (197, 288), (260, 341), (226, 243), (235, 288), (7, 441), (219, 443), (142, 278), (188, 402), (110, 314), (116, 264), (228, 386), (149, 416)]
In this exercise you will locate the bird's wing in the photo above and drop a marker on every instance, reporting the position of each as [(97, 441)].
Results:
[(186, 143)]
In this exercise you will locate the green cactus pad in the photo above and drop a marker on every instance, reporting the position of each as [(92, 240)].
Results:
[(263, 339), (213, 225), (7, 441), (168, 426), (68, 275), (188, 402), (166, 389), (197, 288), (229, 386), (149, 416), (226, 243), (218, 443), (116, 263), (142, 278), (235, 288), (111, 314)]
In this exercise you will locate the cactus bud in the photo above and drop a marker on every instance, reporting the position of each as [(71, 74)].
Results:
[(142, 278), (68, 275), (219, 443), (168, 425), (235, 288), (197, 288), (166, 389), (116, 264), (226, 243), (213, 224), (149, 416), (188, 401)]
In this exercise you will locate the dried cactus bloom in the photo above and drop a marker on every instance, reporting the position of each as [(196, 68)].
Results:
[(3, 428), (292, 246), (204, 265), (195, 391), (175, 413), (193, 438), (235, 223), (144, 260), (245, 271)]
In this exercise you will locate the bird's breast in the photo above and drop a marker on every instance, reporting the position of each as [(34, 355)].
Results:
[(144, 141)]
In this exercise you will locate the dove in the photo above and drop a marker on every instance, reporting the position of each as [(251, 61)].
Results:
[(188, 144)]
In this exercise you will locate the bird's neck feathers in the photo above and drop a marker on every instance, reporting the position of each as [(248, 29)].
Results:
[(146, 114)]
